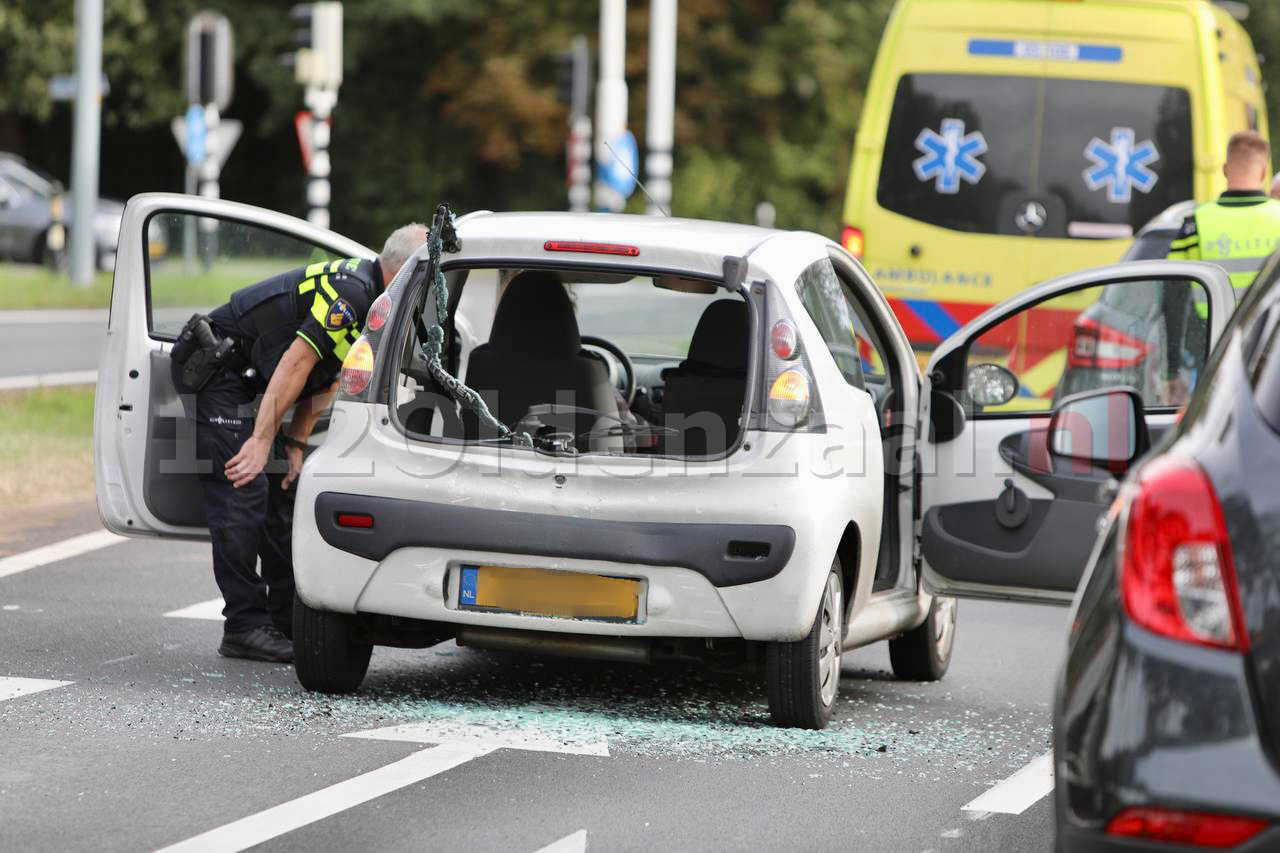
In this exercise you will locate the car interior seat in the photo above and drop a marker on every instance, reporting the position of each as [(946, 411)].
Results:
[(704, 395), (533, 357)]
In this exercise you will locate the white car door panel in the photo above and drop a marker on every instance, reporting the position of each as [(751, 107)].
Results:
[(1001, 516), (177, 256)]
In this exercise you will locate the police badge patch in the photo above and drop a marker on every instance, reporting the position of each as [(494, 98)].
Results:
[(340, 315)]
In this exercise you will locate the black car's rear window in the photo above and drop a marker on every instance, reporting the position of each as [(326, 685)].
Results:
[(969, 152)]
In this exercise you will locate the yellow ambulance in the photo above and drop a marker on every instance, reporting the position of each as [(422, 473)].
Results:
[(1007, 141)]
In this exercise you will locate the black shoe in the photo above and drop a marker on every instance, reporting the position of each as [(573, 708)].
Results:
[(265, 643)]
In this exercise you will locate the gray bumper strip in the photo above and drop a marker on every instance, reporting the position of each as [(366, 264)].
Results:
[(725, 554)]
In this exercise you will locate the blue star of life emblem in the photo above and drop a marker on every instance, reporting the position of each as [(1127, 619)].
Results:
[(950, 156), (1120, 165)]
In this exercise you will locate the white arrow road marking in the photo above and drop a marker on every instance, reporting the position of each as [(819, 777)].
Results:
[(286, 817), (576, 843), (443, 731), (1017, 793), (64, 550), (211, 609), (458, 745), (12, 688)]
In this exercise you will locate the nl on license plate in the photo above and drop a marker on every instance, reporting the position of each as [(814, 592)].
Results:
[(548, 592)]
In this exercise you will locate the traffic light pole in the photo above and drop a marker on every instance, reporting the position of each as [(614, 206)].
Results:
[(321, 103), (578, 151)]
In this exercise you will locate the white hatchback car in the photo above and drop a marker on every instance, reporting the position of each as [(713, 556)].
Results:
[(707, 441)]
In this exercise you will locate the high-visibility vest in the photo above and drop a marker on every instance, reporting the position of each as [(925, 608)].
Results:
[(1238, 235)]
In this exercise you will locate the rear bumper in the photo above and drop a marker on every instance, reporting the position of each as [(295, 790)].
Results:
[(724, 554), (1143, 720)]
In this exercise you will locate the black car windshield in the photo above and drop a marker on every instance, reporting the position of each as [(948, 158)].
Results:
[(968, 152)]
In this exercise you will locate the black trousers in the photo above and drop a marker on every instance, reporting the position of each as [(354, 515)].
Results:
[(248, 524)]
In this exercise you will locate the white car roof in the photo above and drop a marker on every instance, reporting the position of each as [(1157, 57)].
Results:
[(695, 245)]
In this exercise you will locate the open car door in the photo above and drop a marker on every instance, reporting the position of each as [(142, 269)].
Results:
[(1006, 510), (178, 255)]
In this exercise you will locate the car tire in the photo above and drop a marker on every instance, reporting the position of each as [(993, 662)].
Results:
[(803, 678), (325, 657), (924, 652)]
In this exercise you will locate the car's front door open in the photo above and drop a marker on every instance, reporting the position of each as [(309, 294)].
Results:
[(177, 256), (1004, 512)]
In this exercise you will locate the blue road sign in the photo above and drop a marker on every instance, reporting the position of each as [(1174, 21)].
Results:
[(619, 170), (197, 135)]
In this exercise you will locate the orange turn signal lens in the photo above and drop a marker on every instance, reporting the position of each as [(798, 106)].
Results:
[(357, 368)]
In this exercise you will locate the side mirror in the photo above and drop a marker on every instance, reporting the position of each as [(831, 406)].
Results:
[(1103, 427), (990, 384)]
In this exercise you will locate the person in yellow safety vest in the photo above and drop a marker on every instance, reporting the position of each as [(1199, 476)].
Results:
[(1238, 232)]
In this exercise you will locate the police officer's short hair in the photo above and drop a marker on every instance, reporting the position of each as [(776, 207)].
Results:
[(1248, 145), (401, 245)]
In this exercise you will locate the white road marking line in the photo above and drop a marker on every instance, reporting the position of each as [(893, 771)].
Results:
[(457, 733), (63, 550), (461, 744), (48, 380), (12, 688), (1017, 793), (576, 843), (211, 609), (54, 316), (286, 817)]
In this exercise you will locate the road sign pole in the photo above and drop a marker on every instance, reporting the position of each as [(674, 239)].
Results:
[(660, 132), (85, 140), (611, 98)]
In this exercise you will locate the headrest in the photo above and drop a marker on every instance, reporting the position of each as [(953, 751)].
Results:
[(720, 341), (535, 318)]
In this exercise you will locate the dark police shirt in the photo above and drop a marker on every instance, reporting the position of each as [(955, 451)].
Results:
[(324, 304)]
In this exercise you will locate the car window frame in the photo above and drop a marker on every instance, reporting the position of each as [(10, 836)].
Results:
[(146, 256), (962, 353)]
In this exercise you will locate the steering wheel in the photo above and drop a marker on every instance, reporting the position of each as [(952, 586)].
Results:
[(622, 359)]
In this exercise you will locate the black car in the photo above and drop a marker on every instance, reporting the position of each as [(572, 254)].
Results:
[(1167, 712)]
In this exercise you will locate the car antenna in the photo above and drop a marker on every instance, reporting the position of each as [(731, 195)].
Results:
[(623, 164)]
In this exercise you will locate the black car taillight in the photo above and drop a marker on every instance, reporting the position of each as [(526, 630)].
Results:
[(1174, 826), (1177, 575)]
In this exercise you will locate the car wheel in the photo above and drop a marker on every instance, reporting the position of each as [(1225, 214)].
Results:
[(324, 655), (802, 678), (924, 652)]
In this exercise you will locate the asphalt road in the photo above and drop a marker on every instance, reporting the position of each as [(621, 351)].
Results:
[(154, 739), (44, 342)]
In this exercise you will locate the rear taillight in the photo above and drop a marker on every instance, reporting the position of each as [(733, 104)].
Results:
[(784, 340), (357, 368), (1096, 345), (1179, 827), (1177, 576), (789, 398), (853, 240), (379, 311)]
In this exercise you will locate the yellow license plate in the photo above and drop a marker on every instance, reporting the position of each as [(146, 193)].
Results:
[(548, 592)]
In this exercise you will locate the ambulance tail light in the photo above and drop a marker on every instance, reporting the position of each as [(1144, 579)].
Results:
[(357, 368), (1094, 344), (379, 311), (853, 240)]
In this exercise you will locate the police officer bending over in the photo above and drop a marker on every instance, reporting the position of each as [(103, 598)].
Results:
[(284, 339)]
